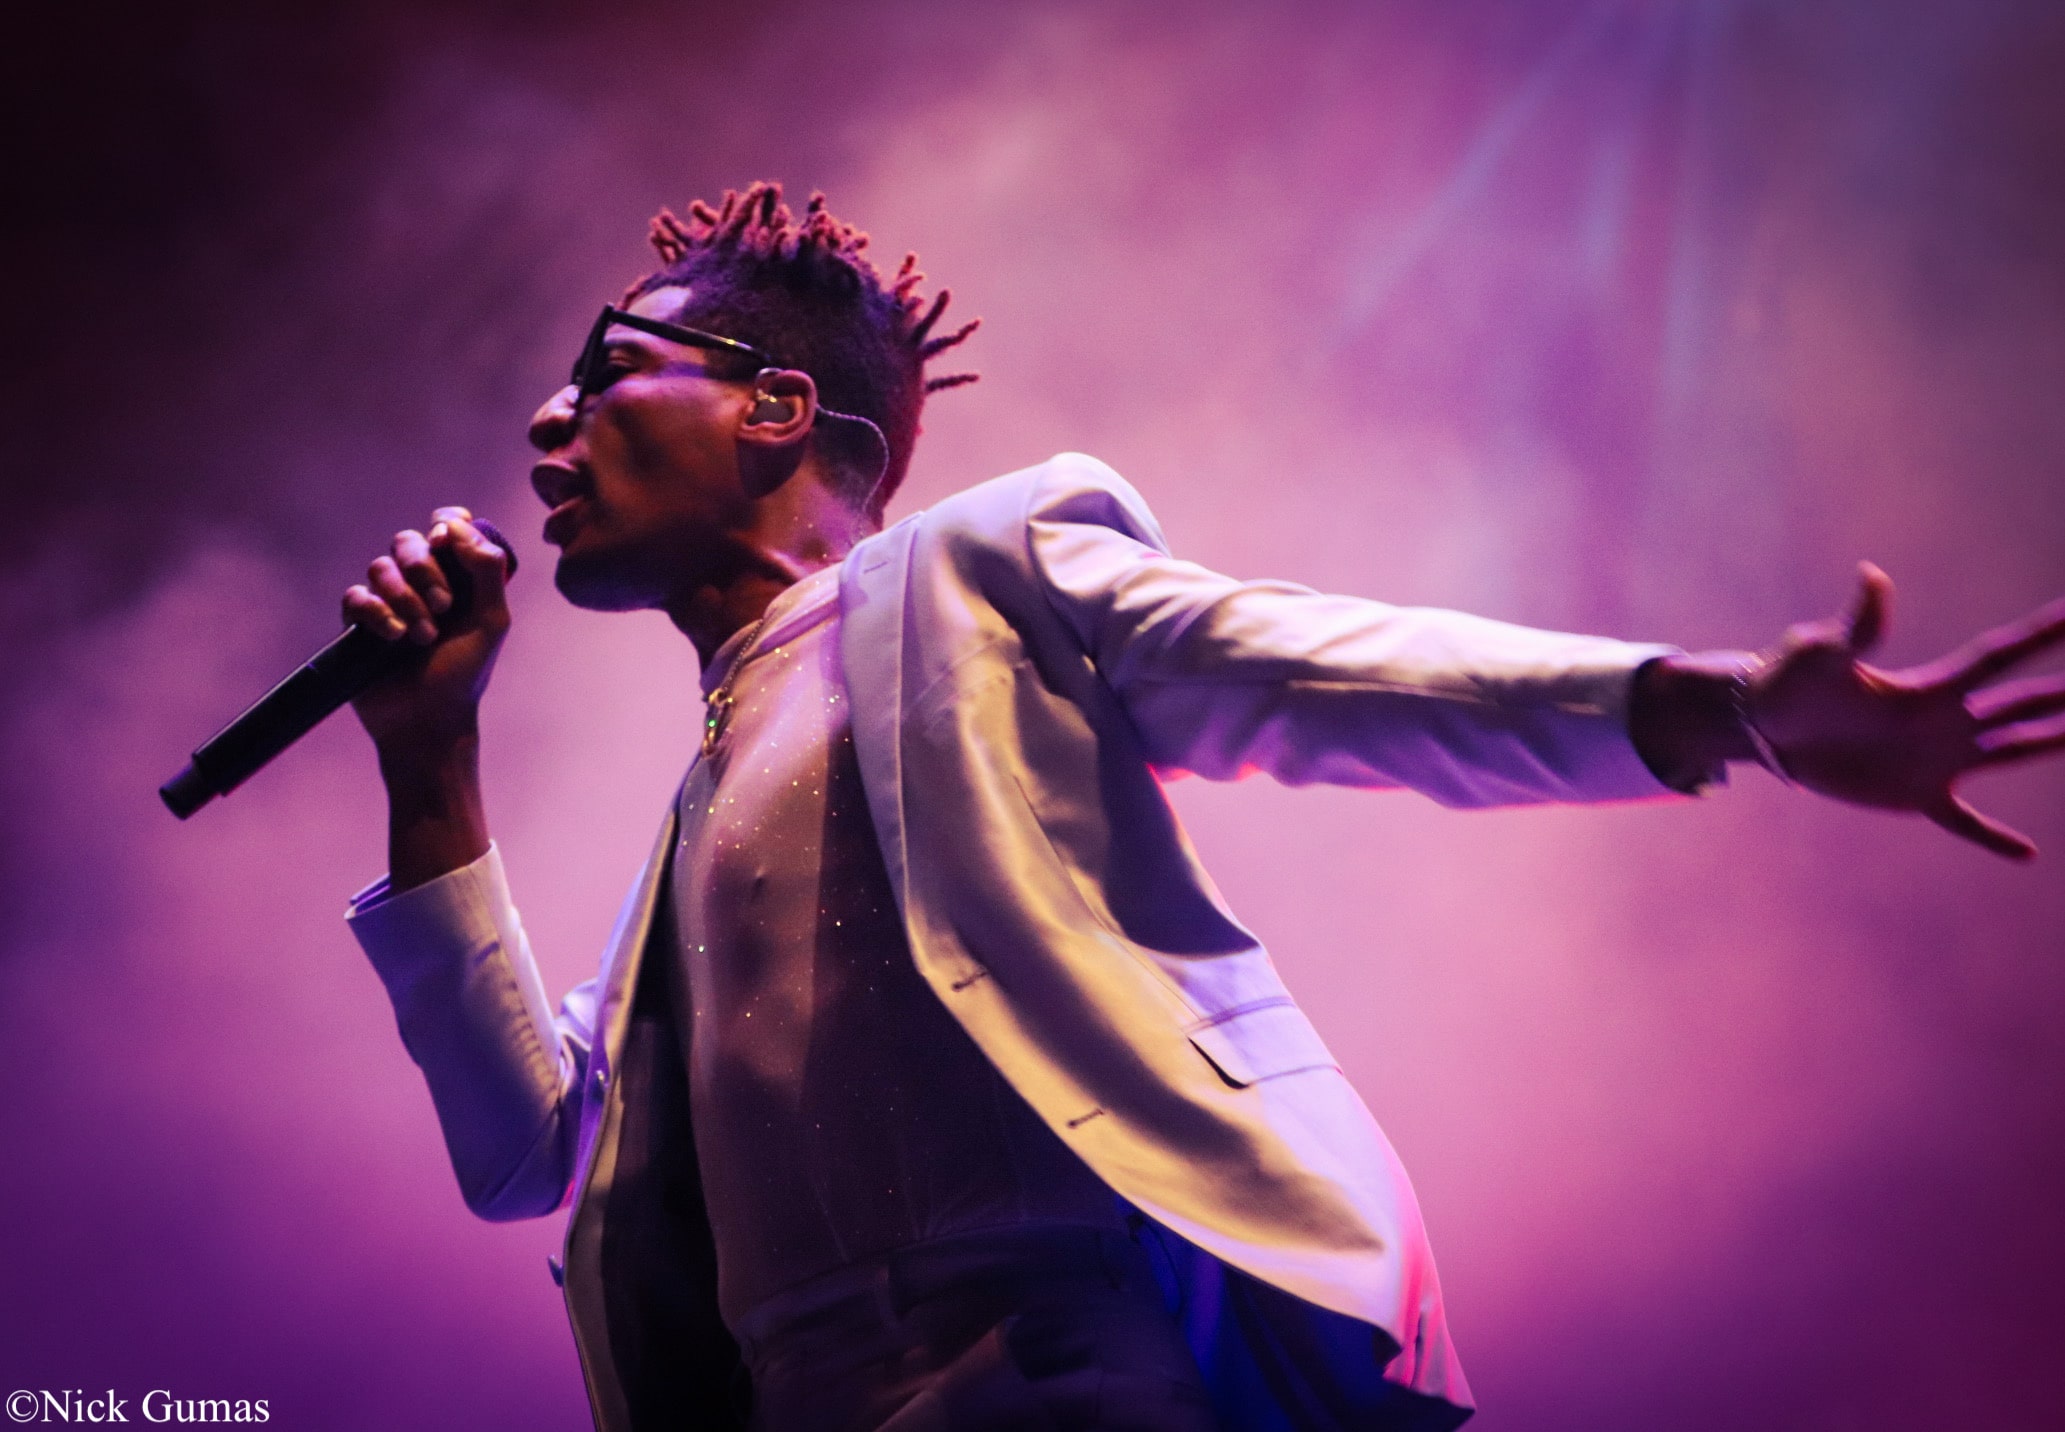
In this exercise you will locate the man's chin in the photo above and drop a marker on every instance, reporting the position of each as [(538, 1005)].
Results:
[(591, 587)]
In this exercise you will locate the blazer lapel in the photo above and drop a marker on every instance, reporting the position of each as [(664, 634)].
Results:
[(872, 584), (627, 940)]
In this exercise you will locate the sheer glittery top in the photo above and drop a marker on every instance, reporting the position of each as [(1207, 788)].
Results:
[(839, 1110)]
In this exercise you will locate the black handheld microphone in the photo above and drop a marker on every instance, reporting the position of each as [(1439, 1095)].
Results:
[(297, 705)]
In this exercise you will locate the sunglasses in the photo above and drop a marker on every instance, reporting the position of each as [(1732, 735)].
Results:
[(588, 367)]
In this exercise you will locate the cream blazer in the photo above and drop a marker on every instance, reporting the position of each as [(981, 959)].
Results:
[(1026, 661)]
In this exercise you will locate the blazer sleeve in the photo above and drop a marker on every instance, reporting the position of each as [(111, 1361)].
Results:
[(1223, 678), (504, 1074)]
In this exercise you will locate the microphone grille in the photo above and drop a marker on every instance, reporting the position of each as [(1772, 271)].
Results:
[(493, 533)]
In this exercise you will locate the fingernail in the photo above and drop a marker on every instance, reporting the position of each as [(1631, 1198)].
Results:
[(424, 631), (395, 627), (437, 533)]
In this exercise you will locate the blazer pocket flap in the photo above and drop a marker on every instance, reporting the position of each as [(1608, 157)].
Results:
[(1261, 1042)]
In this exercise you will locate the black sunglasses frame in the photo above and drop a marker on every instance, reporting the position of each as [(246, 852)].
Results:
[(589, 364)]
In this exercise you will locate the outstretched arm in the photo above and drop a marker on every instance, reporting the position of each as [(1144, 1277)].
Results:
[(1830, 722), (1223, 677)]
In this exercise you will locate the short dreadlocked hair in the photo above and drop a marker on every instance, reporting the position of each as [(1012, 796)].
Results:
[(805, 292)]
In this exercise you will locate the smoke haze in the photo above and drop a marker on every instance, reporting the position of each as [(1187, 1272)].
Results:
[(1634, 317)]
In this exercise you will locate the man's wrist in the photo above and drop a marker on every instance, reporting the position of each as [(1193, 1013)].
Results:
[(1685, 716), (421, 760), (436, 822)]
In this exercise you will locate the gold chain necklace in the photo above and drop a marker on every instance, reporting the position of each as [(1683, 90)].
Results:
[(717, 705)]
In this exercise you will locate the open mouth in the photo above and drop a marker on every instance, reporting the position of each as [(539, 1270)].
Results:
[(563, 488), (562, 520)]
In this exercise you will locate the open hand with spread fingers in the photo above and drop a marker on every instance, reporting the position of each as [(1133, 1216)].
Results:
[(1899, 740)]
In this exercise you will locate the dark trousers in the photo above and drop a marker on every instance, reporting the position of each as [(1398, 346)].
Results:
[(1047, 1329)]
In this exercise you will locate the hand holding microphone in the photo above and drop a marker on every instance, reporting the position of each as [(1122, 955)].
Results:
[(424, 631), (412, 602)]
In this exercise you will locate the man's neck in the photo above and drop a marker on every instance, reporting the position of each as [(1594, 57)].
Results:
[(710, 615)]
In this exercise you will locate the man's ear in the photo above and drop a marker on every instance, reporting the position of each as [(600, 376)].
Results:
[(774, 427), (780, 409)]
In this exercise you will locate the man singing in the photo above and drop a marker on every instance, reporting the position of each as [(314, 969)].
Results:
[(927, 1082)]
